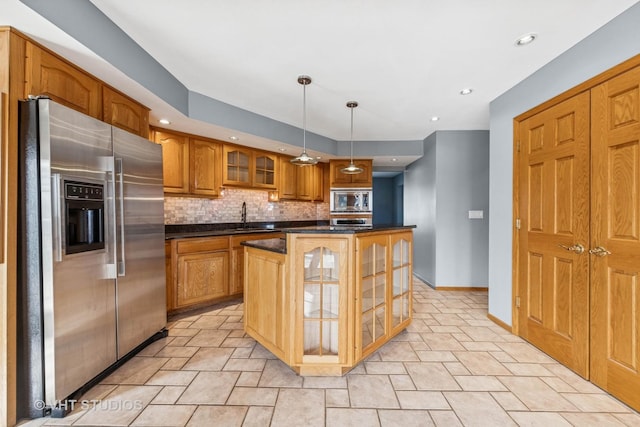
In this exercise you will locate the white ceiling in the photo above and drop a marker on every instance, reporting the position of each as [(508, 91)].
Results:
[(403, 61)]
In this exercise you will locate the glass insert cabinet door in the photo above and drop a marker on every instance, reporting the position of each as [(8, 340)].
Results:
[(264, 175), (373, 291), (237, 166), (402, 280), (324, 286)]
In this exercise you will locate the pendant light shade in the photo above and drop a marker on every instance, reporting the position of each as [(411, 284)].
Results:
[(303, 159), (352, 169)]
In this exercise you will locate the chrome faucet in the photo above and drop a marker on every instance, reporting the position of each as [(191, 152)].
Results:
[(243, 215)]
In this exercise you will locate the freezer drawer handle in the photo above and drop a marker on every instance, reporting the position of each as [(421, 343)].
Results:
[(120, 201), (56, 218)]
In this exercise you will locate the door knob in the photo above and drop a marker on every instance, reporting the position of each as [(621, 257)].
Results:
[(599, 251), (577, 248)]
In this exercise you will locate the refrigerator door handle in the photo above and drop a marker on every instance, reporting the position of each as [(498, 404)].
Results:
[(56, 218), (110, 206), (120, 224)]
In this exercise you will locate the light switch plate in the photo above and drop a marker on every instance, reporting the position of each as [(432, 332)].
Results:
[(476, 214)]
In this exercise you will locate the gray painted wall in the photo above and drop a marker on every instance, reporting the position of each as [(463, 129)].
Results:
[(440, 188), (420, 210), (613, 43), (383, 199), (398, 199), (462, 177)]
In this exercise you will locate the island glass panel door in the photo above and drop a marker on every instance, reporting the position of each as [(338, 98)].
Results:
[(323, 299), (373, 291), (401, 287)]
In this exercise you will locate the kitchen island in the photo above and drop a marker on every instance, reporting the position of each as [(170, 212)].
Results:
[(323, 298)]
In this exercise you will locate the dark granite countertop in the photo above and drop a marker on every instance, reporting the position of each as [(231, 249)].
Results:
[(213, 233), (345, 229), (279, 245), (273, 245), (181, 231)]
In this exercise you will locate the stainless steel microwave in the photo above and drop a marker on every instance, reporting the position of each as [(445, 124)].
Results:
[(351, 200)]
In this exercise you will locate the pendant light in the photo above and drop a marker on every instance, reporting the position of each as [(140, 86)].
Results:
[(352, 169), (304, 159)]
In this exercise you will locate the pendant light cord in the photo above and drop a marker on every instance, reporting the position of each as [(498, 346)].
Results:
[(351, 135), (351, 169), (304, 117), (304, 159)]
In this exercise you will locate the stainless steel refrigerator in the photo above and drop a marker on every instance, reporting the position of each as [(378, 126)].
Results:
[(91, 269)]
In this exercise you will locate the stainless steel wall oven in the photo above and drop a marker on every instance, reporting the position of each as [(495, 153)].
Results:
[(351, 200)]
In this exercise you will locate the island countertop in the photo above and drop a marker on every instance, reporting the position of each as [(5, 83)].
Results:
[(279, 245), (182, 231), (346, 229)]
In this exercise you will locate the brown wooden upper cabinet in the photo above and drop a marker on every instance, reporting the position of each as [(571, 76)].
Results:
[(341, 180), (300, 182), (245, 167), (46, 74), (123, 112), (175, 161), (205, 159), (191, 166), (318, 187), (288, 185)]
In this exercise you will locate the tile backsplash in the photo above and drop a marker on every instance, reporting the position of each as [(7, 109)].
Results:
[(227, 208)]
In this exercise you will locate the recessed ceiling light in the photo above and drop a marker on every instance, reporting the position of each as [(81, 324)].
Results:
[(164, 121), (282, 150), (233, 138), (394, 160), (466, 91), (435, 118), (318, 157), (525, 39)]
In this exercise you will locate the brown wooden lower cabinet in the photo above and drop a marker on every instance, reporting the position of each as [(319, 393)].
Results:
[(202, 271)]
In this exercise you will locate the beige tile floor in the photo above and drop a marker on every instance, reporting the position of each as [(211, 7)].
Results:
[(451, 367)]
